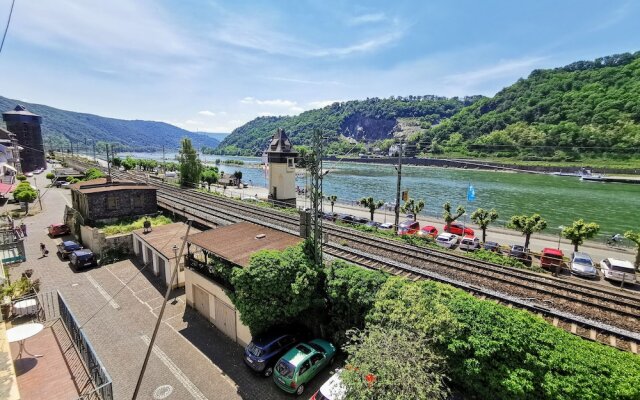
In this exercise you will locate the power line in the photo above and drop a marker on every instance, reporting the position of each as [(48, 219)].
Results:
[(7, 27)]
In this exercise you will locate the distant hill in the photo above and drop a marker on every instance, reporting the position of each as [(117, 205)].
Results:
[(364, 120), (61, 126), (584, 108)]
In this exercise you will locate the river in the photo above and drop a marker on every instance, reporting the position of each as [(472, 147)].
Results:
[(560, 200)]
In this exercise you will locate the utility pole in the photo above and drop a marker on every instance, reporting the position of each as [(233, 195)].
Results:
[(108, 162), (164, 163), (315, 168), (94, 150), (399, 169)]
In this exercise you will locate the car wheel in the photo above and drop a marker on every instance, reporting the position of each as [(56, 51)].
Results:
[(268, 371), (300, 390)]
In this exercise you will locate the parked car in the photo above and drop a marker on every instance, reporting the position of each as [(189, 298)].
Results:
[(266, 349), (346, 218), (373, 224), (469, 243), (386, 226), (492, 246), (300, 364), (447, 240), (618, 270), (329, 216), (459, 229), (58, 230), (361, 220), (408, 227), (551, 258), (83, 258), (519, 252), (28, 174), (582, 265), (428, 231), (67, 247), (332, 389)]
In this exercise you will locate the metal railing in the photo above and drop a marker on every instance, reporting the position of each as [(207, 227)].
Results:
[(97, 372)]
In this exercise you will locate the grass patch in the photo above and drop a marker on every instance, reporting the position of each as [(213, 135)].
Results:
[(129, 225)]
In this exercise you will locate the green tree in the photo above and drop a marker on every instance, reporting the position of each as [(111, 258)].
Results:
[(128, 164), (635, 238), (51, 176), (276, 287), (25, 193), (371, 204), (483, 218), (210, 176), (93, 173), (413, 207), (116, 162), (392, 364), (527, 225), (332, 199), (190, 165), (579, 231), (238, 176), (450, 217), (21, 178)]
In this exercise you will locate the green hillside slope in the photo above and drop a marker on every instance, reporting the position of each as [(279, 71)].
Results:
[(60, 126), (585, 108), (371, 119)]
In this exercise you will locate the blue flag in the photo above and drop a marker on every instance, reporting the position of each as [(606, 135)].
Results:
[(471, 193)]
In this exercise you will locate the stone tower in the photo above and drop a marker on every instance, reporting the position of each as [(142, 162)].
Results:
[(282, 169), (26, 126)]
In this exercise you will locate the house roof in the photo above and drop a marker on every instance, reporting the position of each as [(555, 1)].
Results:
[(102, 185), (280, 143), (236, 243), (163, 238)]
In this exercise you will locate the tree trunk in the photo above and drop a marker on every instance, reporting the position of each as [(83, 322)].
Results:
[(575, 247), (527, 237), (484, 235), (372, 211), (332, 207), (638, 259)]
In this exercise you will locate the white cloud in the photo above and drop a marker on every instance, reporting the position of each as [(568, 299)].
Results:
[(207, 113), (247, 100), (500, 71), (367, 19)]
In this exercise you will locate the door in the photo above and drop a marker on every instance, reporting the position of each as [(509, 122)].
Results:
[(201, 301), (162, 272), (225, 319), (149, 256)]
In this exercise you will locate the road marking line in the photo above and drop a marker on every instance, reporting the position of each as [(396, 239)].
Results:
[(103, 292), (177, 372)]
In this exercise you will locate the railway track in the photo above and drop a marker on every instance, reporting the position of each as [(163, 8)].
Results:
[(595, 313)]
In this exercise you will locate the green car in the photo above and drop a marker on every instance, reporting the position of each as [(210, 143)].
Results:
[(300, 364)]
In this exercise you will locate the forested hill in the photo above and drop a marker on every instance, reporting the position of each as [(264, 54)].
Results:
[(60, 126), (371, 119), (588, 107)]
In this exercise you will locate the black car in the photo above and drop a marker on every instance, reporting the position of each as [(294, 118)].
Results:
[(361, 220), (520, 253), (329, 216), (492, 246), (346, 218), (266, 349), (84, 258), (67, 247)]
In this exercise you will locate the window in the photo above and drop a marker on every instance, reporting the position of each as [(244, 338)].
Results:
[(304, 367), (291, 162), (316, 358)]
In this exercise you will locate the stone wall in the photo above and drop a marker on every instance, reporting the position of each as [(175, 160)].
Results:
[(110, 206), (100, 244)]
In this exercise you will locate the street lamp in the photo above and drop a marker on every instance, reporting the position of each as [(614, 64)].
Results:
[(561, 228)]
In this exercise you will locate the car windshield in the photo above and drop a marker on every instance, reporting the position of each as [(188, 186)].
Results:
[(254, 350), (583, 261), (303, 349), (442, 239), (285, 369), (317, 348)]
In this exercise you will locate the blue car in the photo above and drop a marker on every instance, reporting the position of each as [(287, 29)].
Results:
[(67, 247), (266, 349)]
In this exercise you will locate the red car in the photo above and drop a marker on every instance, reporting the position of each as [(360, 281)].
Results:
[(458, 229), (58, 230), (428, 231), (408, 227)]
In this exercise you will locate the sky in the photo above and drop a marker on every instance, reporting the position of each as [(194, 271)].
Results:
[(212, 66)]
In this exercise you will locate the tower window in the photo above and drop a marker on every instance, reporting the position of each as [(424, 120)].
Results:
[(290, 162)]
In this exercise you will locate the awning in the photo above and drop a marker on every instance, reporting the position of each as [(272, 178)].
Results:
[(10, 167), (6, 188)]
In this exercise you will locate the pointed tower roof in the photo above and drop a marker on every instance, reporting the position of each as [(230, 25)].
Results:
[(280, 143), (20, 114)]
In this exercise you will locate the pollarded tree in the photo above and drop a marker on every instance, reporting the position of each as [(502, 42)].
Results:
[(370, 203), (210, 176), (332, 199), (635, 238), (527, 225), (483, 218), (448, 215), (580, 231), (190, 165), (51, 176), (275, 287), (413, 207), (238, 176), (392, 363), (25, 193)]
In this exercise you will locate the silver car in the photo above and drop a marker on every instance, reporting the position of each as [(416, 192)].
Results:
[(582, 265)]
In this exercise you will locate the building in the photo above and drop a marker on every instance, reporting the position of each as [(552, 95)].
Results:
[(159, 246), (105, 200), (282, 169), (26, 126), (227, 247)]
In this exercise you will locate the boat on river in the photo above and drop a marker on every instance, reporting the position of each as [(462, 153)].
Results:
[(610, 179)]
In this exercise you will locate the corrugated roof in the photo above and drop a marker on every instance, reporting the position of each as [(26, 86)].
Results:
[(163, 238), (236, 243), (101, 185)]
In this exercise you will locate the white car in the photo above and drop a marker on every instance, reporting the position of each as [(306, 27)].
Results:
[(470, 243), (332, 389), (582, 265), (618, 270), (386, 225), (447, 240)]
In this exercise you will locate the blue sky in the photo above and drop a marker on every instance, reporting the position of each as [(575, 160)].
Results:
[(213, 65)]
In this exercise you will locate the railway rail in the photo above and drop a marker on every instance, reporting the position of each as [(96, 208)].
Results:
[(599, 314)]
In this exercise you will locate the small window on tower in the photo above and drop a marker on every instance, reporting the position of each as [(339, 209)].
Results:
[(291, 162)]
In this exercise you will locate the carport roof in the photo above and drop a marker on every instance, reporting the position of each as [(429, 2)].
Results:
[(236, 243), (162, 238)]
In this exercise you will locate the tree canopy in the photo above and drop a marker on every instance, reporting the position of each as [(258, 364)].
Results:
[(483, 218), (190, 164), (579, 231), (527, 225)]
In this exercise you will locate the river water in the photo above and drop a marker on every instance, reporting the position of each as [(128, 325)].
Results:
[(560, 200)]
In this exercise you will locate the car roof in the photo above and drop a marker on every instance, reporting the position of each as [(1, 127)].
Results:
[(552, 251), (446, 235), (333, 388), (296, 357), (70, 243), (620, 263), (82, 252), (267, 338)]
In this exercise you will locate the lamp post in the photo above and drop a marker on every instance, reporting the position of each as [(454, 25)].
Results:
[(175, 254), (561, 228)]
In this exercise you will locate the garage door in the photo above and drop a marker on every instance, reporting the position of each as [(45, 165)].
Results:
[(162, 273), (225, 319), (201, 301)]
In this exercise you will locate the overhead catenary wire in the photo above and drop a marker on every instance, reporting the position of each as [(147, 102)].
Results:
[(6, 29)]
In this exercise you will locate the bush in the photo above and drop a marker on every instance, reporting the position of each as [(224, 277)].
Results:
[(21, 178), (128, 225), (50, 176)]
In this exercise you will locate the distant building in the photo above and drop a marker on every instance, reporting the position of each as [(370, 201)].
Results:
[(104, 200), (26, 126), (8, 169), (282, 169)]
